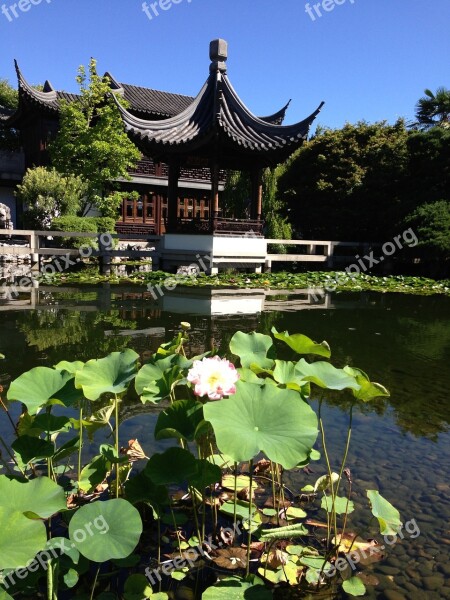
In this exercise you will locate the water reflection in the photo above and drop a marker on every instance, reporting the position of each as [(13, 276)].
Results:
[(402, 341), (400, 446)]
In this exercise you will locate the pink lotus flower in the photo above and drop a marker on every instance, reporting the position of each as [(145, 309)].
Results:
[(213, 377)]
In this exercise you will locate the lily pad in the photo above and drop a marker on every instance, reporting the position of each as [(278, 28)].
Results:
[(103, 531), (233, 588), (340, 505), (354, 586), (111, 374), (263, 419), (137, 587)]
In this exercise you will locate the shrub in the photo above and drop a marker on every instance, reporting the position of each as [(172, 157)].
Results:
[(81, 224)]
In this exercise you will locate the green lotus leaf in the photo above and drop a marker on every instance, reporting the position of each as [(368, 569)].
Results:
[(354, 586), (67, 449), (102, 531), (233, 588), (111, 374), (368, 389), (387, 515), (141, 488), (40, 496), (155, 379), (70, 367), (32, 448), (137, 587), (263, 419), (206, 474), (94, 473), (301, 344), (37, 387), (253, 348), (21, 538), (175, 465), (340, 505), (48, 423), (180, 420), (325, 375)]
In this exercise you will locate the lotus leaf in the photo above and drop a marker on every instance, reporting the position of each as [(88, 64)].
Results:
[(102, 531), (263, 419)]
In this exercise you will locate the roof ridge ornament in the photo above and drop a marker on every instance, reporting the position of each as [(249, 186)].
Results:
[(218, 53)]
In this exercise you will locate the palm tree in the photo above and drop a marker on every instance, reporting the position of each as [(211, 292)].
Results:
[(434, 109)]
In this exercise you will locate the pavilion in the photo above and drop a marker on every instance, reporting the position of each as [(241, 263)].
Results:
[(216, 131)]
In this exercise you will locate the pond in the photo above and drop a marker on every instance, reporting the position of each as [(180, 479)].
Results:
[(400, 446)]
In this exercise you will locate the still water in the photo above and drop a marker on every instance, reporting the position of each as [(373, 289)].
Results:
[(400, 446)]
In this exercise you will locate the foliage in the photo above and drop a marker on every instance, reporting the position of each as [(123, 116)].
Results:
[(109, 509), (433, 109), (277, 226), (235, 199), (361, 182), (340, 175), (83, 225), (9, 97), (46, 194), (109, 205), (432, 225), (91, 142)]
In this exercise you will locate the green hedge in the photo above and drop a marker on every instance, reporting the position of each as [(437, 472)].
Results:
[(84, 225)]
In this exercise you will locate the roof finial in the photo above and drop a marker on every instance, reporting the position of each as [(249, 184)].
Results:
[(218, 53)]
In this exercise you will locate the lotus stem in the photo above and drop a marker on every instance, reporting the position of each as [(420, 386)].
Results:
[(81, 441), (249, 542), (116, 408)]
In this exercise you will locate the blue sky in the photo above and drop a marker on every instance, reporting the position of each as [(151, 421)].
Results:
[(368, 59)]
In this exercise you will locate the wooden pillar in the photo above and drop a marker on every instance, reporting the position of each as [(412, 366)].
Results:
[(172, 196), (257, 193), (214, 213), (158, 213)]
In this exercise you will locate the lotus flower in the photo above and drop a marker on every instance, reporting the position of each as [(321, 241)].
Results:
[(213, 377)]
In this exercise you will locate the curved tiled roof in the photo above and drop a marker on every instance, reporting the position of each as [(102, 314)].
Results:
[(144, 102), (217, 123)]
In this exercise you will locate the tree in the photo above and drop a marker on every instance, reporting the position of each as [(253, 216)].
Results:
[(9, 97), (9, 100), (45, 194), (431, 222), (347, 184), (236, 201), (277, 225), (91, 142), (433, 109)]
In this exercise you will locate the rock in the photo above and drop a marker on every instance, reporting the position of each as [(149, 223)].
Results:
[(394, 595), (433, 582)]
